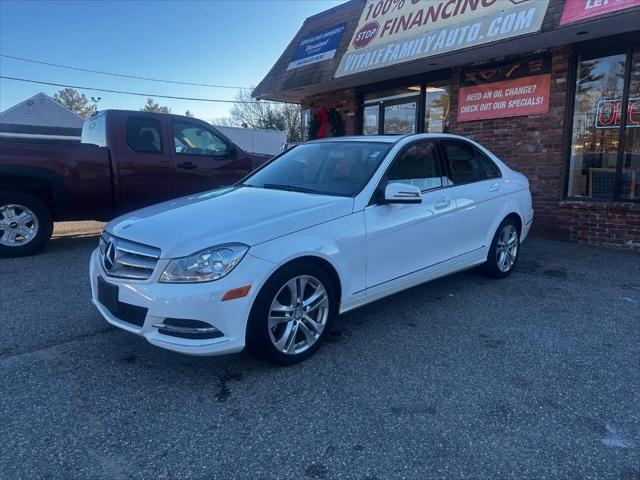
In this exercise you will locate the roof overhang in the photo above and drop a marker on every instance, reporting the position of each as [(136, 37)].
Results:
[(625, 21)]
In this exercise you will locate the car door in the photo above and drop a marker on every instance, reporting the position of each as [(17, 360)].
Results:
[(405, 238), (203, 159), (145, 173), (477, 191)]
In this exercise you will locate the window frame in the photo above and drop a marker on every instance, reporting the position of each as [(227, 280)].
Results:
[(146, 119), (229, 147), (478, 153), (383, 182), (625, 44)]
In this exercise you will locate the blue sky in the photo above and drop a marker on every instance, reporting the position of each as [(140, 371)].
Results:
[(230, 42)]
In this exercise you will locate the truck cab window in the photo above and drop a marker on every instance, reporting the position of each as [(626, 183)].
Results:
[(93, 131), (192, 139), (143, 135)]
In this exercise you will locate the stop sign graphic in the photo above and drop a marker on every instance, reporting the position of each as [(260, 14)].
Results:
[(366, 34)]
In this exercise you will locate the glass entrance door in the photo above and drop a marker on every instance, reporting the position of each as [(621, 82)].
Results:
[(391, 112), (401, 111), (400, 118)]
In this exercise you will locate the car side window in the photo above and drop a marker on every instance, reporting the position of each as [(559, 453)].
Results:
[(488, 169), (418, 165), (468, 164), (144, 135), (192, 139), (463, 162)]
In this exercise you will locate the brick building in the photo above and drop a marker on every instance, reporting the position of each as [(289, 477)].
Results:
[(567, 74)]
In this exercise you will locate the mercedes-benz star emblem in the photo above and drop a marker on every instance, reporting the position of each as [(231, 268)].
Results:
[(110, 256)]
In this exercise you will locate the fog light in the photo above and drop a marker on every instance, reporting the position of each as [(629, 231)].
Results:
[(185, 328)]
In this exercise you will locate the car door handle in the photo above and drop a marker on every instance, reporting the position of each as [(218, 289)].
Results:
[(442, 203), (187, 165), (494, 187)]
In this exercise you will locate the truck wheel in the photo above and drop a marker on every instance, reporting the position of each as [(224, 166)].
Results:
[(25, 224)]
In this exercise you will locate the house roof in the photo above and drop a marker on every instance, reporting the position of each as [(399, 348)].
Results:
[(294, 85), (41, 111)]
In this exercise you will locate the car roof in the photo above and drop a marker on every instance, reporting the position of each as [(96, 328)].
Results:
[(362, 138), (386, 138)]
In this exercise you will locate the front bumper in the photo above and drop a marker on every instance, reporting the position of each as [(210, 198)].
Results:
[(189, 301)]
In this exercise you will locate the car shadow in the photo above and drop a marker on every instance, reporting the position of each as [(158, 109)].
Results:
[(69, 243)]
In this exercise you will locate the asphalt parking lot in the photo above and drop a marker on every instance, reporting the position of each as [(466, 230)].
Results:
[(536, 376)]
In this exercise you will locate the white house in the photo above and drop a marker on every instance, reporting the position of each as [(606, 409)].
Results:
[(40, 115)]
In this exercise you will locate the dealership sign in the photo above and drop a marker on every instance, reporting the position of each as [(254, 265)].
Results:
[(317, 47), (576, 10), (608, 113), (395, 31), (508, 90)]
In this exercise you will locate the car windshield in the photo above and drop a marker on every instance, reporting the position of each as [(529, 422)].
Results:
[(329, 168)]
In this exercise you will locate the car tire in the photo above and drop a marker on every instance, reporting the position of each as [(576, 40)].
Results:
[(287, 330), (504, 250), (26, 224)]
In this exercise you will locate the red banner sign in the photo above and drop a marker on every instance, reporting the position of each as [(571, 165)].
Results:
[(509, 98), (576, 10)]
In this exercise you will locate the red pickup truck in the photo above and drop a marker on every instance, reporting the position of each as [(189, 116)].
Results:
[(124, 161)]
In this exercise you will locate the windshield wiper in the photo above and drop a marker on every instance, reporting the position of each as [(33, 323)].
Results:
[(289, 188)]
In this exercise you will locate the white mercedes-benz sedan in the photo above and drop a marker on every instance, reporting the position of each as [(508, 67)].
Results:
[(325, 227)]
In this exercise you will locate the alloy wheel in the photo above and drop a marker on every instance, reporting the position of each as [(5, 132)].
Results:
[(507, 249), (18, 225), (298, 314)]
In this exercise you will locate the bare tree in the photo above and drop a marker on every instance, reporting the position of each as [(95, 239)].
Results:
[(268, 115), (224, 122), (152, 106), (74, 101)]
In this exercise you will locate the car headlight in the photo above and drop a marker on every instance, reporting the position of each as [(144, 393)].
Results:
[(204, 266)]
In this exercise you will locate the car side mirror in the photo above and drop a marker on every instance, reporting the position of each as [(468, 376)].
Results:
[(401, 193)]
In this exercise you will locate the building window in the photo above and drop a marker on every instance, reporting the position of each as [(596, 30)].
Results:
[(306, 119), (436, 112), (605, 137)]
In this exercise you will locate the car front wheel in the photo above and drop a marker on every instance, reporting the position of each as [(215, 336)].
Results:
[(292, 314), (505, 247)]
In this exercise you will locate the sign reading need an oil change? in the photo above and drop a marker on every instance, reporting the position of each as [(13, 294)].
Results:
[(395, 31), (507, 90)]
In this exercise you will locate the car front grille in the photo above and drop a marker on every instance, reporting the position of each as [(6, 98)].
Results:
[(126, 259)]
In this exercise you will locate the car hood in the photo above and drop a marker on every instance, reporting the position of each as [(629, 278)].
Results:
[(246, 215)]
